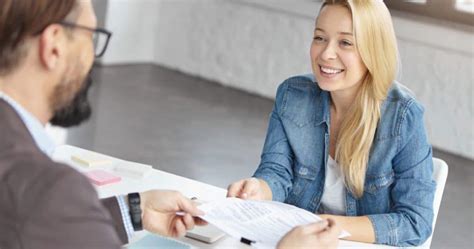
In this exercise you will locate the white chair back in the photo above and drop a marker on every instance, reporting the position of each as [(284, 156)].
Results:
[(440, 174)]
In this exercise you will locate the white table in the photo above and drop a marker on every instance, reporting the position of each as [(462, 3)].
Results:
[(162, 180)]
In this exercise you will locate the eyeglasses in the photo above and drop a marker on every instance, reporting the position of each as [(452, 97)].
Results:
[(101, 37)]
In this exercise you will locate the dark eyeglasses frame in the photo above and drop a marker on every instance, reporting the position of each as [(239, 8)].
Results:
[(96, 30)]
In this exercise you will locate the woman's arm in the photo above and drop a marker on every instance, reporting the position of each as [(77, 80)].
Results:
[(360, 227), (273, 178), (276, 165), (409, 221)]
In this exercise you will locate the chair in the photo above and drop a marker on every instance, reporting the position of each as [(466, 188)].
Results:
[(440, 173)]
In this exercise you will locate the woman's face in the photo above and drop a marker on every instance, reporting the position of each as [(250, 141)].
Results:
[(335, 59)]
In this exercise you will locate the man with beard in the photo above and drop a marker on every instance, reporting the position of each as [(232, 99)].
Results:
[(46, 52)]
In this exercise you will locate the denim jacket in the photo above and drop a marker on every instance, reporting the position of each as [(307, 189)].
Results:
[(399, 188)]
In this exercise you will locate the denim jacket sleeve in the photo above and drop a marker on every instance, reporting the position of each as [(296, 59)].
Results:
[(409, 221), (277, 157)]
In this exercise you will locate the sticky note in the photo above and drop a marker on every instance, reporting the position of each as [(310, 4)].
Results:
[(131, 169), (91, 159), (100, 177)]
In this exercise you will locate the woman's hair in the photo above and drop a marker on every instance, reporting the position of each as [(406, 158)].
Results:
[(377, 46), (20, 19)]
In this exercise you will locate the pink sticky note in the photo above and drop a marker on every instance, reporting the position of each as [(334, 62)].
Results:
[(100, 177)]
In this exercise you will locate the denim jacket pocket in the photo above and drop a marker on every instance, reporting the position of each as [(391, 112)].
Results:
[(305, 172), (303, 177), (375, 183)]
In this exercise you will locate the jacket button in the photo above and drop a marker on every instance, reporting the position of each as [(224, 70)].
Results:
[(303, 171)]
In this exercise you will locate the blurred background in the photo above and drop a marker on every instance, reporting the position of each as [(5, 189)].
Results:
[(187, 86)]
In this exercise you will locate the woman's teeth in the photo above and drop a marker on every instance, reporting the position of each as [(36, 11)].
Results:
[(330, 71)]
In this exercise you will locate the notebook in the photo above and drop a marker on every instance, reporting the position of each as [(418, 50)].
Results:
[(152, 241)]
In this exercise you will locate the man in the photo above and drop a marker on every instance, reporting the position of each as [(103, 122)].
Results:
[(46, 52)]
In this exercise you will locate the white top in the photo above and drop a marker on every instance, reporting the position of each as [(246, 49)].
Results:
[(334, 195)]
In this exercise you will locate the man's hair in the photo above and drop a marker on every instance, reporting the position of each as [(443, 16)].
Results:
[(22, 19)]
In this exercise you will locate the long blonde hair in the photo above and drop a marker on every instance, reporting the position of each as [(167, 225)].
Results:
[(377, 46)]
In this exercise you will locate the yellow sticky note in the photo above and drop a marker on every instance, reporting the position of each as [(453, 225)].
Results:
[(91, 159)]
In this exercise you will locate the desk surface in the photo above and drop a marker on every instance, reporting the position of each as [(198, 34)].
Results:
[(162, 180)]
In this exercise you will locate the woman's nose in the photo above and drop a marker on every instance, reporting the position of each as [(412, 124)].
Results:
[(329, 52)]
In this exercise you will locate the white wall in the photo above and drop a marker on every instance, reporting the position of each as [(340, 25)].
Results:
[(254, 45), (133, 25), (100, 8)]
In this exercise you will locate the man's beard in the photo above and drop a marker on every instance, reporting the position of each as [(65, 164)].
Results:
[(77, 110)]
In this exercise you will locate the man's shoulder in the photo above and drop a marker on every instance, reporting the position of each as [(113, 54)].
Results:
[(28, 175), (23, 166), (55, 198), (13, 131)]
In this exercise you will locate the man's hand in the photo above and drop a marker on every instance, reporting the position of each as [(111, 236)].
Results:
[(251, 189), (321, 235), (159, 216)]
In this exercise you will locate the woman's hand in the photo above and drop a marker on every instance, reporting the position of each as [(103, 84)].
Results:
[(321, 235), (251, 189)]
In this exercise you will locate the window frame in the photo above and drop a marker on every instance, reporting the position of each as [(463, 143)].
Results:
[(444, 10)]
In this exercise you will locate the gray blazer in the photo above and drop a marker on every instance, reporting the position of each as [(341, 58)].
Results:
[(47, 205)]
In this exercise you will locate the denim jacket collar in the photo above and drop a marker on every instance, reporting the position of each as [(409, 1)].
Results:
[(324, 105)]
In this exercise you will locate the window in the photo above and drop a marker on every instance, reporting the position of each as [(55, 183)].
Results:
[(459, 11), (465, 5)]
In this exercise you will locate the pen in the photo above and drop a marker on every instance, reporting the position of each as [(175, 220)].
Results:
[(246, 241)]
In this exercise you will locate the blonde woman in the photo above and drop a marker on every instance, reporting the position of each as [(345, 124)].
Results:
[(349, 142)]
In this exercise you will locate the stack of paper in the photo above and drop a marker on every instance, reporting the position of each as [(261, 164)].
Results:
[(263, 222)]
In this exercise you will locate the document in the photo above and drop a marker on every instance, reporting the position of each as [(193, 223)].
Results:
[(263, 222)]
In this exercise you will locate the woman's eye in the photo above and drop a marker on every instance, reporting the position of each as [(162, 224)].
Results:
[(346, 43), (318, 38)]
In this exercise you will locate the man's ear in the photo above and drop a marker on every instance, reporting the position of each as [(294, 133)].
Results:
[(52, 46)]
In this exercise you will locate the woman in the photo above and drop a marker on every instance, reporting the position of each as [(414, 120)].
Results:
[(348, 141)]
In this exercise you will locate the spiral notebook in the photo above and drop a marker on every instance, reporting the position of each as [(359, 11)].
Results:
[(152, 241)]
